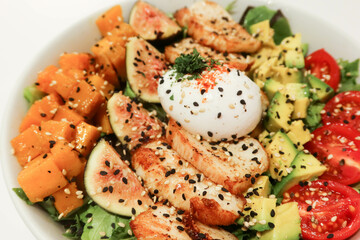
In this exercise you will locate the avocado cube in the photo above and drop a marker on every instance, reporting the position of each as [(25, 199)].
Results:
[(278, 114), (262, 32), (321, 90), (261, 56), (300, 94), (261, 209), (264, 71), (287, 75), (305, 167), (271, 87), (261, 188), (294, 59), (299, 134), (286, 224), (282, 152), (264, 137), (292, 42)]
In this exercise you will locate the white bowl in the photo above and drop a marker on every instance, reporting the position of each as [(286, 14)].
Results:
[(83, 34)]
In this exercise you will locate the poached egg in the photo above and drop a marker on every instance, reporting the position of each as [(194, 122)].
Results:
[(222, 103)]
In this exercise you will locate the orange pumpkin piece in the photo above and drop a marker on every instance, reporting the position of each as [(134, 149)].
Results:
[(115, 53), (64, 84), (105, 88), (58, 130), (109, 19), (45, 79), (101, 119), (106, 70), (80, 61), (63, 113), (80, 178), (41, 178), (29, 144), (42, 110), (68, 199), (86, 137), (85, 100), (67, 159)]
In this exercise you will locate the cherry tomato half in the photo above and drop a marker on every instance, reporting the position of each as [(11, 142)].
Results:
[(328, 210), (322, 65), (338, 148), (343, 108)]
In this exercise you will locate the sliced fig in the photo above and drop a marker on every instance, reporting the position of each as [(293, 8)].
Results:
[(112, 185), (151, 23), (144, 66), (132, 124)]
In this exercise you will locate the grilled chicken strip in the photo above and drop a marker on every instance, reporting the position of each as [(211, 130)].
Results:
[(234, 165), (158, 223), (187, 45), (211, 25), (167, 176), (162, 222), (198, 231)]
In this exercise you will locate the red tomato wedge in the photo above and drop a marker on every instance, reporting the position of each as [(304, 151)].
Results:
[(322, 65), (337, 147), (343, 108), (328, 210)]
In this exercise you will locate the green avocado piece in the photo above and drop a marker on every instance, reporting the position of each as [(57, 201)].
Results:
[(294, 57), (305, 167), (285, 75), (262, 32), (282, 152), (261, 209), (321, 91), (271, 87), (279, 112), (313, 117), (305, 48), (32, 94), (286, 224), (300, 93), (299, 134), (261, 188)]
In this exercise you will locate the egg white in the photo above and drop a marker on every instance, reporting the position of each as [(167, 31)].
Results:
[(228, 110)]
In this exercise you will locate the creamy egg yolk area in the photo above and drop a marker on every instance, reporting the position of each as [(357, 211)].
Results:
[(221, 103)]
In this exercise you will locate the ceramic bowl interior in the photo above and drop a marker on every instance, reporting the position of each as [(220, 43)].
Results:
[(83, 34)]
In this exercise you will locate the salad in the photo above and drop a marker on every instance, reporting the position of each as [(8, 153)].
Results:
[(191, 125)]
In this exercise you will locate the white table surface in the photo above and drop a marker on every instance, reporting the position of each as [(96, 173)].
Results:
[(26, 25)]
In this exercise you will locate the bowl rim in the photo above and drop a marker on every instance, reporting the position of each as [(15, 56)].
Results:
[(18, 86)]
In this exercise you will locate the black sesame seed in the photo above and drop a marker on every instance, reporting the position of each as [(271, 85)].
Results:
[(121, 200), (210, 134), (124, 179), (221, 197), (180, 228), (183, 196), (133, 211), (139, 202), (192, 181), (242, 101), (103, 173), (330, 236), (219, 115), (271, 225), (309, 208), (196, 104), (180, 212), (272, 213)]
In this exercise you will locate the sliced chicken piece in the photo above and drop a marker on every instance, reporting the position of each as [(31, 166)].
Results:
[(159, 223), (163, 222), (187, 45), (211, 25), (198, 231), (169, 177), (235, 165)]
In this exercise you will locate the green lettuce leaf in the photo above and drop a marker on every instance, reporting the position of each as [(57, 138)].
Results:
[(21, 194), (349, 73), (256, 15)]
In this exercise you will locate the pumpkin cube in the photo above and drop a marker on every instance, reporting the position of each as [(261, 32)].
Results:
[(63, 113), (86, 137), (29, 144), (41, 178), (45, 79), (80, 61), (58, 130), (68, 199), (101, 119), (85, 100), (64, 84), (106, 70), (105, 88), (109, 19), (67, 159), (42, 110)]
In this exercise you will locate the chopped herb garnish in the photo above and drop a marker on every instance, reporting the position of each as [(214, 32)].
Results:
[(193, 65)]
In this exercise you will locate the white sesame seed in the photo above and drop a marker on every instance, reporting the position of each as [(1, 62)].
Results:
[(129, 232), (67, 191), (61, 215), (333, 219), (121, 224), (64, 172)]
